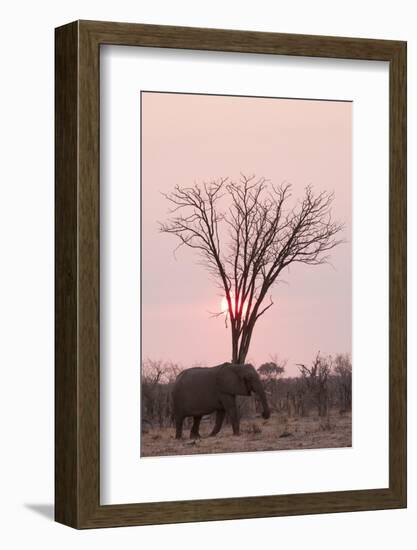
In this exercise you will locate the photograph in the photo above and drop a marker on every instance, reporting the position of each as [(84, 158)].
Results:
[(246, 289), (208, 266)]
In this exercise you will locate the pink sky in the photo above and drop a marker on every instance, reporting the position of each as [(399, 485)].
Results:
[(187, 138)]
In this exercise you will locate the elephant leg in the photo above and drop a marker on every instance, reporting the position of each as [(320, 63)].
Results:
[(219, 421), (234, 417), (196, 426), (178, 427), (231, 409)]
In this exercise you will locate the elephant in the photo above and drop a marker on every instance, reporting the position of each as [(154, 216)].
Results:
[(199, 391)]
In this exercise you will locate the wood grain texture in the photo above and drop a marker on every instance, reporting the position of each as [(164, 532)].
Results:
[(398, 273), (78, 286), (66, 236)]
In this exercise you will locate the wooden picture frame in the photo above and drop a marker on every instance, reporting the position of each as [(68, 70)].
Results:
[(77, 374)]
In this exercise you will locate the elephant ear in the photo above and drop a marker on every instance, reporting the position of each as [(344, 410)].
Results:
[(231, 380)]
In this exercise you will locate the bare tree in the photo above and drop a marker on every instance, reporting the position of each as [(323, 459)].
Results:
[(343, 370), (246, 236), (270, 373), (157, 381), (316, 380)]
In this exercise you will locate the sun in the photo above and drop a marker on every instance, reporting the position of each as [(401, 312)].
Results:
[(224, 306)]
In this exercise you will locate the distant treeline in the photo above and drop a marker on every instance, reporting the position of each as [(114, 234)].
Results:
[(323, 385)]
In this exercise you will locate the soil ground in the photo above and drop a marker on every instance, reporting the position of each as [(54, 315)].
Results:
[(280, 432)]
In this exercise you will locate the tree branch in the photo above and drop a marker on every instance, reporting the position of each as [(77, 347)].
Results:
[(246, 235)]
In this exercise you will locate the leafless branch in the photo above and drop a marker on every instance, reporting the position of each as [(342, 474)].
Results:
[(246, 235)]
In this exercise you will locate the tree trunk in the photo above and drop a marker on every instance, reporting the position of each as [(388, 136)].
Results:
[(244, 345), (235, 346)]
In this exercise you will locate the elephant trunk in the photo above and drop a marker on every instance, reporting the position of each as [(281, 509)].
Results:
[(259, 390)]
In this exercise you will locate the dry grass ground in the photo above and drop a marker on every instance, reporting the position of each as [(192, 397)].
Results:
[(280, 432)]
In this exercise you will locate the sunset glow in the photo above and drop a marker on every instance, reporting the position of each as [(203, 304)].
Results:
[(297, 141), (224, 307)]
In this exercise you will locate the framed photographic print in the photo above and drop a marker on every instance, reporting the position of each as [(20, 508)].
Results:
[(230, 274)]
